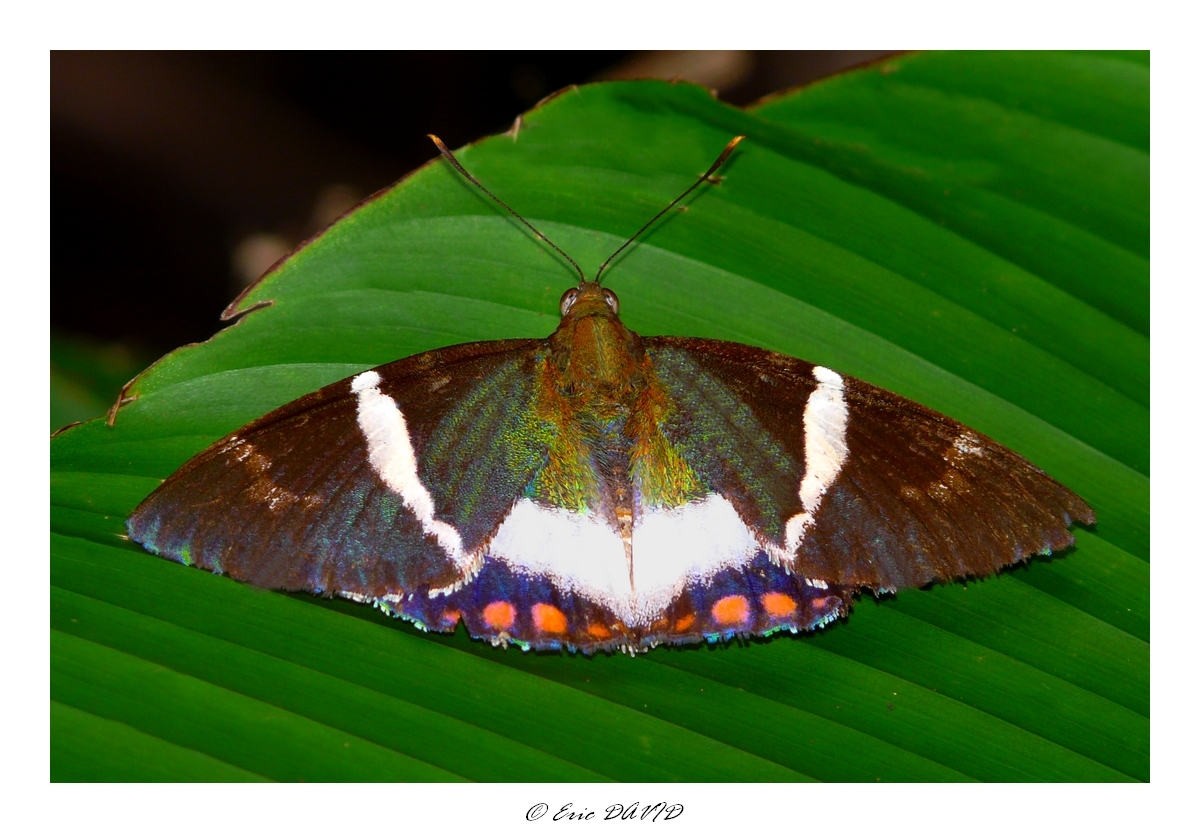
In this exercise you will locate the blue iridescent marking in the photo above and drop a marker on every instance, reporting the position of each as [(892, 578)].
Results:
[(521, 591)]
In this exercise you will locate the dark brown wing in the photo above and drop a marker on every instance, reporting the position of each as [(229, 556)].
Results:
[(914, 497), (293, 501)]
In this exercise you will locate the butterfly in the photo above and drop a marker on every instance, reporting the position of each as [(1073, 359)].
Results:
[(601, 490)]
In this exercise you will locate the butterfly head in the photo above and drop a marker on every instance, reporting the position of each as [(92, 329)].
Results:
[(593, 349), (589, 298)]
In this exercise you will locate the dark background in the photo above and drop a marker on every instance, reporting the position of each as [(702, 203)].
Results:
[(178, 178)]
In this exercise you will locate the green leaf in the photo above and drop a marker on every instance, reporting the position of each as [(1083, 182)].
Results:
[(966, 230), (86, 377)]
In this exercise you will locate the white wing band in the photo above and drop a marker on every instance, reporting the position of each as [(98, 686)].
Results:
[(825, 419), (392, 456)]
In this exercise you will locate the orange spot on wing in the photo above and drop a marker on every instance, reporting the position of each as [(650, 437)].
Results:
[(731, 610), (549, 619), (684, 623), (820, 602), (599, 631), (451, 617), (778, 604), (499, 615)]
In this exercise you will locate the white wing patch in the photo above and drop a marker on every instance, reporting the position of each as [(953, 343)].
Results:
[(825, 419), (582, 554), (391, 454), (676, 546)]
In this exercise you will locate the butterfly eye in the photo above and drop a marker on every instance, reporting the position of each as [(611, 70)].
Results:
[(610, 298), (568, 300)]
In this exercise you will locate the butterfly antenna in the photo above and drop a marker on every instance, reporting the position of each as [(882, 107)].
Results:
[(445, 151), (704, 178)]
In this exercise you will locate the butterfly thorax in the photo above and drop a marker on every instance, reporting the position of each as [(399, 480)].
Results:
[(601, 362), (599, 395)]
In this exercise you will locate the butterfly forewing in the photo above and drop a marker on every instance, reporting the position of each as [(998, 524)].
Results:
[(736, 425), (293, 500), (924, 498), (903, 495)]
